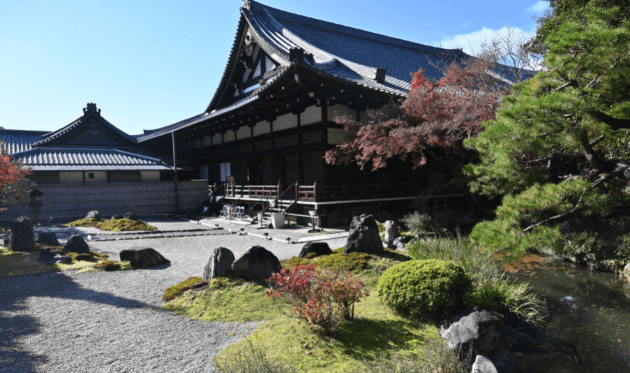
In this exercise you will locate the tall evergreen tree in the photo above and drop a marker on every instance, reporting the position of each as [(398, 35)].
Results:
[(558, 148)]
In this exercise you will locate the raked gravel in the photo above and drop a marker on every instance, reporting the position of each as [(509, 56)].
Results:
[(112, 321)]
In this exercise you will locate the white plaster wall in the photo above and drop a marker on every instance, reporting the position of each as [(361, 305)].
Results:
[(70, 177), (229, 136), (262, 128), (244, 133), (99, 177), (285, 122), (150, 175), (312, 114)]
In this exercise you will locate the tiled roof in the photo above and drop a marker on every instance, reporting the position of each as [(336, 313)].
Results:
[(340, 51), (51, 136), (59, 159), (16, 141)]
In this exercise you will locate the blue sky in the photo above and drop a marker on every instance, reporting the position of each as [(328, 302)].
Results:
[(148, 64)]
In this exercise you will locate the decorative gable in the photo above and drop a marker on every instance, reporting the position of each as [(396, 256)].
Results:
[(93, 134)]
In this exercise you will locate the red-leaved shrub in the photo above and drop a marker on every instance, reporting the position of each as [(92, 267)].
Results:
[(321, 297)]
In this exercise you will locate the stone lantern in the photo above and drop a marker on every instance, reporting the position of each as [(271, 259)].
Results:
[(36, 203)]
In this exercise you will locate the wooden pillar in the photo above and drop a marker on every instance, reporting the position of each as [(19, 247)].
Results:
[(175, 168)]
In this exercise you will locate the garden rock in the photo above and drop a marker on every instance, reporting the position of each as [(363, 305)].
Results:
[(47, 238), (94, 214), (77, 244), (22, 237), (364, 236), (318, 248), (476, 328), (219, 265), (483, 365), (50, 256), (131, 216), (256, 263), (116, 217), (391, 231), (399, 243), (142, 257), (626, 272)]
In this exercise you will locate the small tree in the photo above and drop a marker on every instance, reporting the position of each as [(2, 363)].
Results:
[(432, 121), (14, 186)]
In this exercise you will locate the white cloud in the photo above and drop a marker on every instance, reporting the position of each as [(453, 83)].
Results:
[(538, 7), (471, 42)]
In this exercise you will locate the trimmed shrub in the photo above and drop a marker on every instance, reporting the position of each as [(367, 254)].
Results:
[(429, 289)]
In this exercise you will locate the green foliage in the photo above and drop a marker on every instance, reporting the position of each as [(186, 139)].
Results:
[(250, 359), (478, 264), (173, 291), (556, 141), (428, 289), (418, 223), (436, 358), (502, 294)]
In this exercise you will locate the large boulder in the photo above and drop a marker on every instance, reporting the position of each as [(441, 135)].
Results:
[(131, 216), (475, 328), (364, 236), (47, 238), (76, 244), (256, 263), (316, 248), (142, 257), (483, 365), (220, 264), (94, 214), (50, 256), (626, 272), (391, 231), (22, 237)]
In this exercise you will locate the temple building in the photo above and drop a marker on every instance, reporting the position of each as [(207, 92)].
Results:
[(266, 129)]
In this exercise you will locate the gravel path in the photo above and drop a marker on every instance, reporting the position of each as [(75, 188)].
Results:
[(112, 321)]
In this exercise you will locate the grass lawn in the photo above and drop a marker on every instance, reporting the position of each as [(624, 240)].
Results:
[(15, 263), (115, 225), (376, 330)]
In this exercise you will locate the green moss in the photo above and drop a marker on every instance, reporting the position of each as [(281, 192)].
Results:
[(108, 265), (83, 223), (349, 262), (124, 225), (115, 225), (172, 292)]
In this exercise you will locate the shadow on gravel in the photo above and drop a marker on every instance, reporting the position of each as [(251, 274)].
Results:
[(14, 292), (156, 268)]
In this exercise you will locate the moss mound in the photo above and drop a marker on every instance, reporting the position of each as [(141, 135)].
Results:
[(86, 223), (124, 225), (114, 225), (336, 261), (429, 289), (108, 265), (175, 290)]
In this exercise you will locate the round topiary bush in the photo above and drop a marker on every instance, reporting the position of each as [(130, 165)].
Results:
[(429, 289)]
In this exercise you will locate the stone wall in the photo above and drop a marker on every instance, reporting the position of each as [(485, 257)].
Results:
[(76, 200)]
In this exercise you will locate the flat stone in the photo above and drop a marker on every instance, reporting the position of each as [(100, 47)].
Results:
[(256, 263), (77, 244), (219, 265), (480, 328), (142, 257), (49, 255)]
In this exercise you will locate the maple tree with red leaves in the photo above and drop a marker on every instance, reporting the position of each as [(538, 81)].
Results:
[(14, 186), (432, 121)]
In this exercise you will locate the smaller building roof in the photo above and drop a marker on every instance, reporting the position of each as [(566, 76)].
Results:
[(60, 159), (16, 141)]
